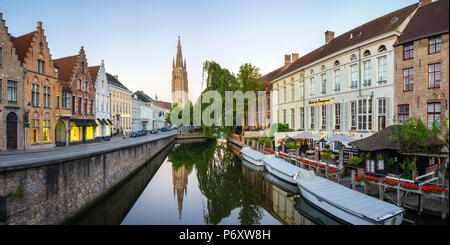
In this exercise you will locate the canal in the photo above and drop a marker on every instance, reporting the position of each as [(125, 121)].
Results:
[(206, 184)]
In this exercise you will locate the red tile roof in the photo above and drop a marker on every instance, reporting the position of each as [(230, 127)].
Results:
[(22, 44), (359, 34), (94, 72), (431, 19), (65, 66)]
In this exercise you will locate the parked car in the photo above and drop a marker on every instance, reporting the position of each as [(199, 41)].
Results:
[(154, 131), (164, 129), (134, 134)]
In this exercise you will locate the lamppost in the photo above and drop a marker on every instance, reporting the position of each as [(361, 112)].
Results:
[(26, 124)]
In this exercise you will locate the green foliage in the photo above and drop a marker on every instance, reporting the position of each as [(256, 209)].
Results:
[(391, 161), (368, 155), (356, 160), (290, 146), (379, 157), (327, 155), (414, 136)]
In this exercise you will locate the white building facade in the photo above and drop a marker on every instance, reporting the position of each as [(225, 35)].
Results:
[(102, 102), (136, 122)]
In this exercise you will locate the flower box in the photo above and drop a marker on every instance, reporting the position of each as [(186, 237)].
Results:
[(373, 179), (410, 186), (389, 182), (429, 189)]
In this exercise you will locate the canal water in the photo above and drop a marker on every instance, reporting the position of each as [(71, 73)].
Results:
[(205, 183)]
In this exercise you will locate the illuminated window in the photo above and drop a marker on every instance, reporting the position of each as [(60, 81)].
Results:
[(46, 131), (74, 132), (97, 131), (89, 133), (34, 131)]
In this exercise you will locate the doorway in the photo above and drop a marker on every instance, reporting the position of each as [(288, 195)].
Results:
[(11, 131)]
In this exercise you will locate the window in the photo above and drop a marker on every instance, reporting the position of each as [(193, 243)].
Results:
[(79, 84), (46, 97), (434, 75), (1, 56), (302, 117), (434, 114), (324, 117), (370, 166), (74, 132), (353, 115), (12, 91), (408, 79), (66, 100), (311, 86), (408, 51), (337, 110), (382, 70), (46, 131), (367, 74), (35, 95), (323, 84), (40, 67), (337, 81), (0, 90), (57, 102), (84, 111), (302, 88), (435, 45), (293, 118), (312, 118), (381, 114), (354, 77), (34, 131), (353, 57), (365, 114), (403, 113), (57, 72), (284, 94), (92, 107), (380, 164), (79, 108), (366, 53), (382, 49), (337, 63), (292, 92), (284, 117)]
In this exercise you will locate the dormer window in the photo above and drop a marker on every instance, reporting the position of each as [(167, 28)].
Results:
[(353, 57), (337, 63), (323, 68), (382, 49), (366, 53)]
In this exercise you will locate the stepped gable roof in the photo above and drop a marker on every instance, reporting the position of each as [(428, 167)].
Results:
[(22, 44), (113, 81), (144, 97), (382, 141), (66, 66), (374, 28), (94, 72), (431, 19)]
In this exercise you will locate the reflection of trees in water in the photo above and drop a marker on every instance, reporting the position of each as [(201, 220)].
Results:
[(220, 180)]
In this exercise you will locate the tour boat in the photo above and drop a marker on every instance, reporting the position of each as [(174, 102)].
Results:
[(253, 167), (289, 188), (345, 204), (252, 156), (281, 169)]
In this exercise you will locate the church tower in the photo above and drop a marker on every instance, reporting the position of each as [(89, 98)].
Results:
[(180, 90)]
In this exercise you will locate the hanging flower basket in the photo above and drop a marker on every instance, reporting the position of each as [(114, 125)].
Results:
[(389, 182), (429, 189), (410, 186)]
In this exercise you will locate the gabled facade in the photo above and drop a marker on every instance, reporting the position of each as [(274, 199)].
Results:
[(75, 72), (346, 85), (422, 66), (102, 102), (40, 88), (147, 115), (11, 93)]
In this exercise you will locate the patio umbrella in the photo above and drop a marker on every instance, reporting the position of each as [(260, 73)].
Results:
[(306, 135), (340, 138)]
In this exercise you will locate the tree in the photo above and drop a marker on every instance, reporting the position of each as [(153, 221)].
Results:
[(414, 136)]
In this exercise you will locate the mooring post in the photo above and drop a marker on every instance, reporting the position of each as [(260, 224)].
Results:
[(420, 204), (353, 179), (399, 197), (380, 188), (444, 208), (365, 187)]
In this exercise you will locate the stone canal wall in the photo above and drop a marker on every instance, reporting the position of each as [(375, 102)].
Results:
[(51, 191)]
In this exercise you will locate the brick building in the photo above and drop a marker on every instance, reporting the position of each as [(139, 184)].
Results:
[(40, 84), (11, 93), (422, 66), (74, 71)]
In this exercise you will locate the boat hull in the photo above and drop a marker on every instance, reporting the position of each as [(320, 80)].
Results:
[(253, 161), (251, 166), (343, 215), (281, 175)]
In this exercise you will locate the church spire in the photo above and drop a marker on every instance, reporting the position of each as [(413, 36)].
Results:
[(179, 62)]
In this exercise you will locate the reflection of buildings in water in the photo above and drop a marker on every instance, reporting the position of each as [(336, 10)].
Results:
[(280, 205), (180, 182)]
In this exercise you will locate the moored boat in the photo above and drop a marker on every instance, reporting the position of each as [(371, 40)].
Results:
[(281, 169), (253, 167), (252, 156), (345, 204), (288, 187)]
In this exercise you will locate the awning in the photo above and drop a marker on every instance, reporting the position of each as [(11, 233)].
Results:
[(100, 121), (109, 121), (104, 122), (78, 122), (91, 123)]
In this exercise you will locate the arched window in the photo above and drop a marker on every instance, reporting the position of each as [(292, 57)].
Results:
[(337, 63), (353, 57), (367, 53), (312, 72), (323, 68), (382, 48)]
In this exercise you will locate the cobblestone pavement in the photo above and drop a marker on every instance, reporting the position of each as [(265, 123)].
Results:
[(10, 161)]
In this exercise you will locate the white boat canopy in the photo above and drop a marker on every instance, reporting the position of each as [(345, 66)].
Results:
[(256, 155)]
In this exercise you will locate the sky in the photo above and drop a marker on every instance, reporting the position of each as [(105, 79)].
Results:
[(137, 39)]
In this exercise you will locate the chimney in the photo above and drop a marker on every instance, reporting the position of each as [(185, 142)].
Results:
[(116, 77), (329, 35), (294, 57), (287, 59)]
